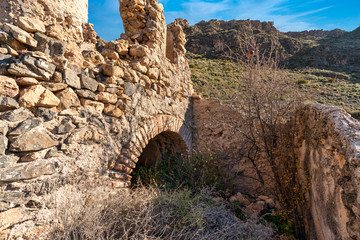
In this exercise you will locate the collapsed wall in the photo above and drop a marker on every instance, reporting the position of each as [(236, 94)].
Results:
[(328, 141), (327, 144), (76, 113)]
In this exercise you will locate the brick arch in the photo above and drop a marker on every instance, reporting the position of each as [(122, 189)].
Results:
[(128, 158)]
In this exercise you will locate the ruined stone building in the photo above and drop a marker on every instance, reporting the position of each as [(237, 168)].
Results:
[(77, 113)]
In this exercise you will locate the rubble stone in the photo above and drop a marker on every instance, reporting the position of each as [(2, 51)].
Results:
[(71, 78), (7, 104), (31, 24), (50, 46), (20, 34), (36, 139), (37, 96), (26, 81), (8, 87), (27, 171), (88, 82), (68, 99)]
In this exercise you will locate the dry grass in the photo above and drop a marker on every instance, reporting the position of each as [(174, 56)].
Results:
[(148, 213)]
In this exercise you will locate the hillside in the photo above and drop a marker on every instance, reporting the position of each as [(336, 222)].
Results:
[(325, 64)]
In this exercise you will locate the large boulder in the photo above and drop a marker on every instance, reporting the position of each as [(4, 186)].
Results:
[(31, 24), (20, 34), (36, 139), (27, 171), (50, 46), (37, 96)]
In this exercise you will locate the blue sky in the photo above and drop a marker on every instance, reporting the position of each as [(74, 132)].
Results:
[(287, 15)]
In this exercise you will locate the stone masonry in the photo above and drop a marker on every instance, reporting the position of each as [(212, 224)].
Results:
[(327, 141), (78, 112)]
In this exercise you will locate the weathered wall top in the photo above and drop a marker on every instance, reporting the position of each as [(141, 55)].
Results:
[(47, 10)]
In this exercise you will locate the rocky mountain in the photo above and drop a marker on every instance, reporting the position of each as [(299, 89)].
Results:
[(336, 49)]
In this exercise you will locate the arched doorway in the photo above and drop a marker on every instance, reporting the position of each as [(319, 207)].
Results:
[(162, 146)]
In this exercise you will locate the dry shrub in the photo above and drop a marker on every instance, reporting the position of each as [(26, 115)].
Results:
[(266, 107), (148, 213)]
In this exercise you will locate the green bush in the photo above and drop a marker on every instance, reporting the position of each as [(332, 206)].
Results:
[(194, 172)]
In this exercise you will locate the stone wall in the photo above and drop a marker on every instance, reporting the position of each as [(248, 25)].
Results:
[(327, 146), (76, 112), (216, 129), (58, 10), (328, 149)]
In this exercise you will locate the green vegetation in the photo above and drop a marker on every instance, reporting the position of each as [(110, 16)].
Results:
[(219, 78), (196, 172)]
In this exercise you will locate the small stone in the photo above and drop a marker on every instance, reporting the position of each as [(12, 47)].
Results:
[(68, 99), (71, 78), (24, 127), (65, 126), (54, 87), (153, 73), (75, 68), (36, 139), (112, 111), (101, 87), (131, 76), (26, 81), (129, 88), (8, 87), (107, 97), (98, 107), (21, 70), (88, 82), (138, 67), (255, 208), (41, 67), (50, 46), (3, 50), (110, 53), (16, 115), (31, 24), (53, 152), (11, 51), (111, 80), (3, 139), (45, 113), (5, 58), (20, 34), (26, 171), (113, 90), (86, 94), (33, 156), (7, 104), (57, 77), (139, 51), (122, 47), (93, 56), (37, 96), (13, 216), (111, 70), (11, 41), (240, 199)]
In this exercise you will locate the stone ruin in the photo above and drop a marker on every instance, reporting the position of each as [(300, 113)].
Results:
[(75, 111)]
